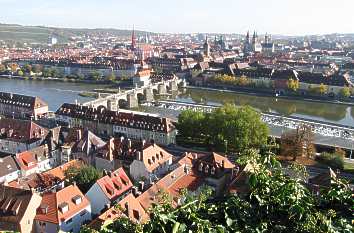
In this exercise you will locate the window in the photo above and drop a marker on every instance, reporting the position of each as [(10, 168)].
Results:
[(82, 213), (69, 221)]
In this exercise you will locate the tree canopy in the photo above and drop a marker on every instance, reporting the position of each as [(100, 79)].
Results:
[(84, 176), (239, 128)]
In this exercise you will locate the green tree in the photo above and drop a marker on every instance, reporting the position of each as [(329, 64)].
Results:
[(345, 92), (95, 75), (228, 126), (111, 77), (84, 176), (20, 73), (2, 68), (27, 68), (191, 124)]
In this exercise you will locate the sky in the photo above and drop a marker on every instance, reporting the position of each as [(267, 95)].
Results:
[(287, 17)]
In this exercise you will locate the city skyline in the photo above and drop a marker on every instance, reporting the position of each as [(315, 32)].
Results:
[(273, 16)]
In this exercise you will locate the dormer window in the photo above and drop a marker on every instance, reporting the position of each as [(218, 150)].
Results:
[(44, 209), (64, 207), (77, 199)]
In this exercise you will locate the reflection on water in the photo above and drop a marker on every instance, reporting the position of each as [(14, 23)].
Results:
[(56, 93), (337, 113)]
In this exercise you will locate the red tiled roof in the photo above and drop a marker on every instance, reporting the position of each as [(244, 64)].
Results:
[(115, 184), (53, 201), (115, 213)]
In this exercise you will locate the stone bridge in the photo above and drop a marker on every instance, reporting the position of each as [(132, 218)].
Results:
[(130, 98)]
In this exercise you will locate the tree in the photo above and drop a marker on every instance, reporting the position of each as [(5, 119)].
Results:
[(84, 176), (37, 69), (111, 77), (345, 92), (20, 73), (190, 123), (293, 84), (27, 68), (323, 89), (297, 143), (228, 126), (95, 75), (2, 68)]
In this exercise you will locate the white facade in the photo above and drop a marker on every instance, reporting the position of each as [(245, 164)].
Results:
[(97, 199), (72, 224), (10, 177)]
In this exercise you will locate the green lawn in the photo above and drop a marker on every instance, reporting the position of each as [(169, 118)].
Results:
[(349, 167)]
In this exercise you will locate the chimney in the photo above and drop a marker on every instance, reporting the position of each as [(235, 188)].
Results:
[(78, 134), (143, 142), (138, 156), (129, 143), (141, 186), (135, 191), (110, 149), (121, 139), (126, 205)]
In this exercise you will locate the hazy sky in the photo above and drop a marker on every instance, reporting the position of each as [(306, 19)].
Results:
[(224, 16)]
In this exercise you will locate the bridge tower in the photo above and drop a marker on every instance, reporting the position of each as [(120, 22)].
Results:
[(132, 100), (161, 89), (148, 94)]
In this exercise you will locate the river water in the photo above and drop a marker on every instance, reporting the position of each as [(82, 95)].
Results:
[(56, 93)]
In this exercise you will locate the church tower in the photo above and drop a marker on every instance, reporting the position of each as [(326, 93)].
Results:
[(133, 42), (206, 47)]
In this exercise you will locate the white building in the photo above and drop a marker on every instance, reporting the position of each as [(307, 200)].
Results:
[(109, 190), (65, 210)]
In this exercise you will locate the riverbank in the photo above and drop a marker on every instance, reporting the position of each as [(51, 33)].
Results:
[(70, 80), (268, 94)]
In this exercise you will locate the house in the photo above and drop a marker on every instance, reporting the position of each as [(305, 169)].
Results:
[(182, 177), (38, 181), (36, 160), (118, 152), (18, 209), (102, 121), (80, 144), (129, 207), (9, 170), (19, 135), (108, 190), (65, 210), (150, 163), (21, 106), (216, 169)]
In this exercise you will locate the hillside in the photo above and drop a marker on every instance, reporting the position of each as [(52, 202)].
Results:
[(40, 34)]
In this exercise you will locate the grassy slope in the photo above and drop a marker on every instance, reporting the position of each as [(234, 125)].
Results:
[(39, 34)]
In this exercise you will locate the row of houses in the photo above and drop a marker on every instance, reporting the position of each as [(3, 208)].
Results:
[(21, 106), (105, 122)]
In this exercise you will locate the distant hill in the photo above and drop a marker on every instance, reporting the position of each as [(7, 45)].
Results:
[(40, 34)]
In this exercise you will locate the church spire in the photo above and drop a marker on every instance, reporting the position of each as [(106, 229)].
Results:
[(133, 39)]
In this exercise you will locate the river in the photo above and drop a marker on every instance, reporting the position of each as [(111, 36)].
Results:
[(56, 93)]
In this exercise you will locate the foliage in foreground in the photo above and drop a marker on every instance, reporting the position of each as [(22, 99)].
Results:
[(276, 203)]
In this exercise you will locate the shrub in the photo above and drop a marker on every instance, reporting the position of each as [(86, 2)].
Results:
[(333, 160)]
